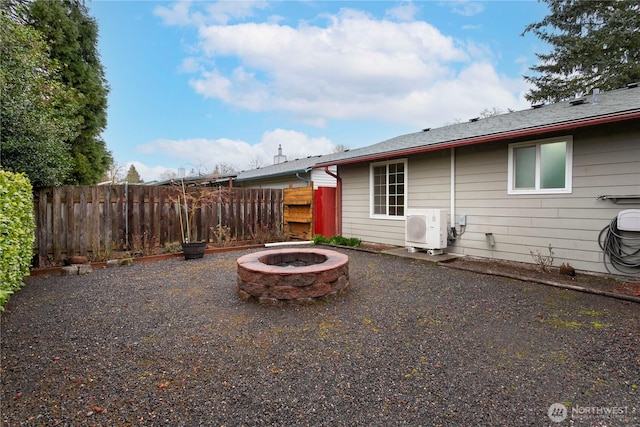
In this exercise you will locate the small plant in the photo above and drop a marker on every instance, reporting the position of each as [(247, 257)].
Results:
[(189, 201), (103, 255), (337, 240), (172, 248), (142, 245), (265, 235), (543, 261), (222, 235), (567, 269)]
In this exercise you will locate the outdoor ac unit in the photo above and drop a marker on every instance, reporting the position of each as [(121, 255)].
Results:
[(426, 229)]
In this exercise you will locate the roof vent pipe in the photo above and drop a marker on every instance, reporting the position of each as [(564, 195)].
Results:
[(279, 158), (596, 94)]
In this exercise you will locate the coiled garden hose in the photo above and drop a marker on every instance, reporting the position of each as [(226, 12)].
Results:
[(621, 248)]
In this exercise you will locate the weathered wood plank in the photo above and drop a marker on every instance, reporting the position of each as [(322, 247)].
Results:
[(58, 235), (87, 220), (107, 222), (82, 222), (95, 220), (42, 237)]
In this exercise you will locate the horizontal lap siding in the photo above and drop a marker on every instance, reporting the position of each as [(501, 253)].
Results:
[(355, 210), (570, 223), (321, 179), (433, 169), (521, 224), (430, 181)]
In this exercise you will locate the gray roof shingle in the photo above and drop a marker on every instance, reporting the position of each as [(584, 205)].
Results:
[(285, 168), (610, 105)]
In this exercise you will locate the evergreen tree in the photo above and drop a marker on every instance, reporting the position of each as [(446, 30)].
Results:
[(133, 177), (38, 111), (72, 36), (596, 44)]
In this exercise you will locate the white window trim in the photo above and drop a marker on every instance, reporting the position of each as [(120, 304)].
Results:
[(568, 168), (371, 188)]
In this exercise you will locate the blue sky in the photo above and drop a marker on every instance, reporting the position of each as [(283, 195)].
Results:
[(194, 84)]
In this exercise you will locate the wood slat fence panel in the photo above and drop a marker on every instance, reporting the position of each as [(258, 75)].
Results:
[(96, 220), (298, 212)]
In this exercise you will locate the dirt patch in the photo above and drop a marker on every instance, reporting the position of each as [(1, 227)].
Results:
[(375, 247), (599, 282)]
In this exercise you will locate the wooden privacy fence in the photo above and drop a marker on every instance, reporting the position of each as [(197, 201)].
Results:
[(85, 220)]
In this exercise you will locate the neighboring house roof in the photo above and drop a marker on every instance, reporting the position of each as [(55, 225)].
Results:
[(612, 106), (290, 167), (210, 180)]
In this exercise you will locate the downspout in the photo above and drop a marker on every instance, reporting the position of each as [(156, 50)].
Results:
[(307, 181), (452, 232), (338, 200)]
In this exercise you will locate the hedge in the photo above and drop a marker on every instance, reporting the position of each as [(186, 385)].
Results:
[(17, 230)]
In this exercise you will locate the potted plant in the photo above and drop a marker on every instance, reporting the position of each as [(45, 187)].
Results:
[(188, 204)]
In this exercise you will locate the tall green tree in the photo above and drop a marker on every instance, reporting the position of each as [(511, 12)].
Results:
[(38, 112), (133, 177), (595, 44), (72, 35)]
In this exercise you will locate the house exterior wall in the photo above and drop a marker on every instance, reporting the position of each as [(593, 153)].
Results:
[(321, 179), (428, 178), (606, 161)]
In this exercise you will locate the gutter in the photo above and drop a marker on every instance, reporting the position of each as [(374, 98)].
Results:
[(338, 199), (486, 138)]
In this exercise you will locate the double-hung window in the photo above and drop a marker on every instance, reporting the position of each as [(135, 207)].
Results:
[(540, 167), (388, 188)]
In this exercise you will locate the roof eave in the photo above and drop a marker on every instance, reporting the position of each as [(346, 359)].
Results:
[(537, 130), (277, 175)]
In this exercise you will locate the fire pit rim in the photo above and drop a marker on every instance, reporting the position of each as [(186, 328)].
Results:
[(252, 261)]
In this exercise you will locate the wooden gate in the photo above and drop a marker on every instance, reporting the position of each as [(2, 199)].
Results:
[(298, 212)]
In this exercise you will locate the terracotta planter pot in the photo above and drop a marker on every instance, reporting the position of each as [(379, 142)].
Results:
[(193, 250)]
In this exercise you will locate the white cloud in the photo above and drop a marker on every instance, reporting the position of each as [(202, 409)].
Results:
[(204, 154), (191, 65), (224, 11), (178, 14), (220, 12), (149, 173), (356, 67), (406, 11), (465, 7)]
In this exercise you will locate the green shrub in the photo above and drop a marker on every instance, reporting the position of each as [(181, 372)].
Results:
[(336, 240), (17, 229)]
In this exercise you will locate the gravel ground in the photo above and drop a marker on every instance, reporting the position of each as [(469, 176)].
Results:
[(169, 343)]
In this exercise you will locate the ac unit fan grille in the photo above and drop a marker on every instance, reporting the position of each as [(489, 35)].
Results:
[(416, 228)]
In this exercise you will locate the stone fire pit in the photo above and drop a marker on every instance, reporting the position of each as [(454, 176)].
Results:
[(292, 276)]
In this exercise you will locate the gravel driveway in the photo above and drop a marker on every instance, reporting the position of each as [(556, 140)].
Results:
[(170, 344)]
